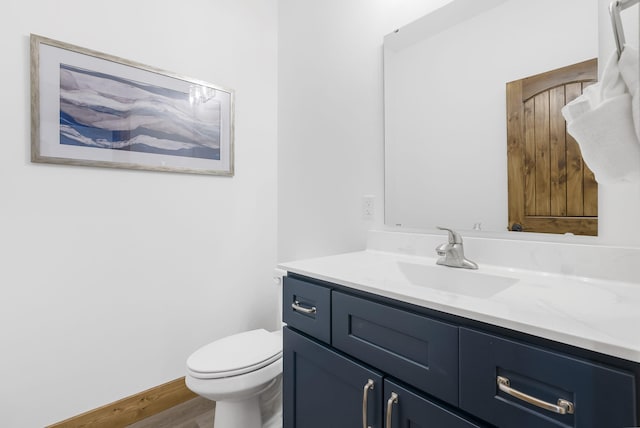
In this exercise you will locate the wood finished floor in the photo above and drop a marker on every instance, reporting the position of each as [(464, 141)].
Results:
[(195, 413)]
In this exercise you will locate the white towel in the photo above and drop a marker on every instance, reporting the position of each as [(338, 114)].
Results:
[(629, 66), (602, 122)]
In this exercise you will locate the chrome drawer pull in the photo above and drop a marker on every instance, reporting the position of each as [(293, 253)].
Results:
[(365, 406), (296, 307), (563, 406), (393, 399)]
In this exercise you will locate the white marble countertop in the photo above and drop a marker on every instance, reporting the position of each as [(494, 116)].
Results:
[(594, 314)]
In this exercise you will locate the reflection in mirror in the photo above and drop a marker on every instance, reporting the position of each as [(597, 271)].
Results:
[(445, 112), (551, 189)]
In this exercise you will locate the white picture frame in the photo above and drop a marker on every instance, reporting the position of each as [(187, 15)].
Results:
[(93, 109)]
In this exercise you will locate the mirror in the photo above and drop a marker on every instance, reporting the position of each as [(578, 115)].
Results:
[(445, 115)]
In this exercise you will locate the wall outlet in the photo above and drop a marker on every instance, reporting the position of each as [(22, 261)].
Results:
[(368, 207)]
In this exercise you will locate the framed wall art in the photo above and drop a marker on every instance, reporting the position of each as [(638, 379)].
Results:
[(94, 109)]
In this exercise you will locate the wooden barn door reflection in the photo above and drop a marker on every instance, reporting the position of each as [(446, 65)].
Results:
[(551, 190)]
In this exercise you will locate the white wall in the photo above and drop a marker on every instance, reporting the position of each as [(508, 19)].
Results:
[(110, 278), (330, 119)]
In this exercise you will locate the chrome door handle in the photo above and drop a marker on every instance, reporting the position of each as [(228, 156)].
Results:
[(393, 399), (365, 398), (298, 308), (563, 406)]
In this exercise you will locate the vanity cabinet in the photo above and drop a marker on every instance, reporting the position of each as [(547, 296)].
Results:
[(355, 359), (323, 388)]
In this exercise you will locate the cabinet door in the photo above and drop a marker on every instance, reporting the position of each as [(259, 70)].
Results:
[(324, 389), (409, 409)]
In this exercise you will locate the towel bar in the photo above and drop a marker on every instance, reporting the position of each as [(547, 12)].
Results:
[(615, 8)]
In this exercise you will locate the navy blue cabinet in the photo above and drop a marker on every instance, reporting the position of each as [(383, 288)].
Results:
[(323, 389), (352, 359)]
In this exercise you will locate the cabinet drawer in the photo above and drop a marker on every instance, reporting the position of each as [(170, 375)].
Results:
[(307, 307), (601, 396), (419, 350)]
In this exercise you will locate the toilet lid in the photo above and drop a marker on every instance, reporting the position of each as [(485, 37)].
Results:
[(235, 355)]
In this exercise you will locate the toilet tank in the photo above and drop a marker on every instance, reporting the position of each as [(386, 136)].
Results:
[(278, 275)]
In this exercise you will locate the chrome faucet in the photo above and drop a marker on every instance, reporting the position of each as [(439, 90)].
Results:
[(452, 253)]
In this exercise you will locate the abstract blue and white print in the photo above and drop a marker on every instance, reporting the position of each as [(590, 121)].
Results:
[(109, 112)]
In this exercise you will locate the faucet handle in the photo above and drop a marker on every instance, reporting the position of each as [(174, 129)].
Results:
[(454, 237)]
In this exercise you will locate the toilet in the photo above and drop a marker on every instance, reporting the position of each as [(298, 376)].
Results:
[(237, 372)]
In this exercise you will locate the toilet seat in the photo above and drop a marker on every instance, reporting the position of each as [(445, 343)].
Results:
[(235, 355)]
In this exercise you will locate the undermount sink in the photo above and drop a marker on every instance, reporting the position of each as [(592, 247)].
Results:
[(472, 283)]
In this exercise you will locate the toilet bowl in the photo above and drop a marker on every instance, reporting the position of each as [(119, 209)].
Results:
[(234, 371)]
